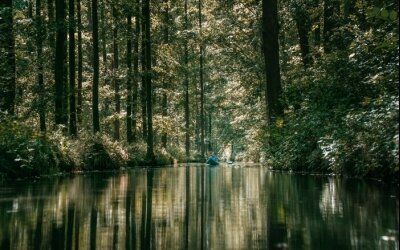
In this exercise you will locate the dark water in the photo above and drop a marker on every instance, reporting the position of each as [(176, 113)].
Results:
[(198, 207)]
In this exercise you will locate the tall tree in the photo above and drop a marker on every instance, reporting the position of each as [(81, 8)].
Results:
[(202, 116), (71, 57), (148, 76), (115, 72), (135, 69), (129, 135), (164, 97), (39, 61), (186, 86), (95, 88), (80, 62), (271, 57), (59, 64), (143, 85), (7, 62)]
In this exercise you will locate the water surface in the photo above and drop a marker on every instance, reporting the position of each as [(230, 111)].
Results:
[(198, 207)]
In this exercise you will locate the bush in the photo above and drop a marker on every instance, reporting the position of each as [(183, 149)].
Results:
[(24, 153)]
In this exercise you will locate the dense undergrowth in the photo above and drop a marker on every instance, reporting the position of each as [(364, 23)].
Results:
[(26, 153), (342, 113)]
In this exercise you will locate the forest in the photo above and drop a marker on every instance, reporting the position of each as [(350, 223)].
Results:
[(299, 85)]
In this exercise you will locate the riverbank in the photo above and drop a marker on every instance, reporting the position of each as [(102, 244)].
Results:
[(25, 153)]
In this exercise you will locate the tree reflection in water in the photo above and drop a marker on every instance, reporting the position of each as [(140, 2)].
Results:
[(197, 207)]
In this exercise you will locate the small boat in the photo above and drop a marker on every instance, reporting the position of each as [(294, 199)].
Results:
[(213, 161)]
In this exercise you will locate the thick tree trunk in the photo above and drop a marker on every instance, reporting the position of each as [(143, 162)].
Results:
[(115, 74), (80, 62), (39, 61), (186, 87), (95, 88), (129, 136), (271, 57), (72, 105), (59, 64), (7, 58), (148, 76)]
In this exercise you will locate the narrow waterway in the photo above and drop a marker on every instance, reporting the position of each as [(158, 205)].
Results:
[(198, 207)]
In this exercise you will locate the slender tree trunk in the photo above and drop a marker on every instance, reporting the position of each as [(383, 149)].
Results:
[(39, 54), (148, 76), (129, 80), (164, 97), (59, 63), (202, 122), (103, 33), (51, 26), (95, 88), (72, 104), (90, 27), (186, 87), (115, 74), (135, 70), (271, 57), (80, 62), (143, 86)]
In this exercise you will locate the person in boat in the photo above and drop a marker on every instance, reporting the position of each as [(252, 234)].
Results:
[(213, 159)]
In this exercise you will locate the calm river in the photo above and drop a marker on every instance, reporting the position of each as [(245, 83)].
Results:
[(198, 207)]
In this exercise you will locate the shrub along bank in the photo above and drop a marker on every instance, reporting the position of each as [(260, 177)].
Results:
[(27, 153)]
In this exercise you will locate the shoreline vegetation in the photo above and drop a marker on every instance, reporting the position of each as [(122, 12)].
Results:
[(26, 154), (301, 86)]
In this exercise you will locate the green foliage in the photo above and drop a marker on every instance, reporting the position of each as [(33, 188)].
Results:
[(24, 153), (342, 113), (368, 142)]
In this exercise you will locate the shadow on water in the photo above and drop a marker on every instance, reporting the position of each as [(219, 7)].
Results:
[(194, 206)]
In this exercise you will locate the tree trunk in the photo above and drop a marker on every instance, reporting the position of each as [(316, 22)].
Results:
[(39, 61), (186, 86), (80, 62), (59, 64), (143, 85), (129, 136), (302, 24), (103, 33), (7, 58), (271, 57), (95, 88), (135, 70), (148, 76), (72, 104), (202, 123), (164, 97), (115, 74)]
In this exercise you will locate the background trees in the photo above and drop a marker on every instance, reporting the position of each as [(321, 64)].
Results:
[(195, 76)]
